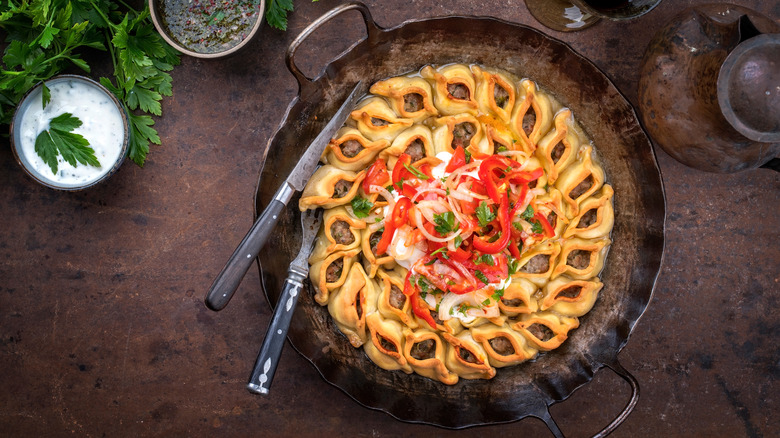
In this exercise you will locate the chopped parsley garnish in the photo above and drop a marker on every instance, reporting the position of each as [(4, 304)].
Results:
[(361, 206), (536, 227), (468, 156), (518, 226), (528, 213), (485, 214), (442, 251), (457, 241), (512, 264), (497, 294), (486, 259), (502, 148), (423, 285), (445, 223), (481, 276), (495, 238)]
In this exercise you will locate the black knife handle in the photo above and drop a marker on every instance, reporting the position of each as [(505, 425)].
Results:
[(227, 281), (268, 359)]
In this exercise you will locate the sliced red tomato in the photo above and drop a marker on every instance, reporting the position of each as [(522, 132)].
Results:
[(457, 161), (376, 175)]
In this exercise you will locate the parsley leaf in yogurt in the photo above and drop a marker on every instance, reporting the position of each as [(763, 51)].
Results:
[(60, 140)]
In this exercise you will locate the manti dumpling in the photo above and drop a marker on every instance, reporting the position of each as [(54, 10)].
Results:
[(350, 303), (596, 216), (416, 142), (503, 345), (495, 93), (343, 231), (330, 273), (459, 130), (581, 259), (519, 297), (537, 264), (580, 180), (391, 301), (532, 116), (350, 150), (559, 147), (498, 139), (425, 352), (467, 358), (373, 261), (377, 121), (570, 297), (385, 344), (454, 88), (330, 187), (545, 330), (410, 97)]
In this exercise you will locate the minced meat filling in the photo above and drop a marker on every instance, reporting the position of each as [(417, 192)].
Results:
[(588, 219), (423, 350), (552, 219), (501, 96), (341, 188), (397, 297), (458, 91), (435, 316), (529, 121), (502, 346), (416, 150), (376, 121), (557, 152), (358, 306), (386, 345), (514, 302), (462, 133), (467, 355), (341, 233), (538, 264), (541, 332), (413, 102), (578, 259), (582, 187), (333, 273), (351, 148), (570, 292)]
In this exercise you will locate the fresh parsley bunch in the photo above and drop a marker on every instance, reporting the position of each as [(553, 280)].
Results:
[(48, 36), (276, 12)]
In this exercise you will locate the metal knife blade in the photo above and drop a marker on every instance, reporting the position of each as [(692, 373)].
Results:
[(268, 358), (226, 283)]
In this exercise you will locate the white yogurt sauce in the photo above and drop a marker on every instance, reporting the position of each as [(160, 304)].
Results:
[(101, 125)]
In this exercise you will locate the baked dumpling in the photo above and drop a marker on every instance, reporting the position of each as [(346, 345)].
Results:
[(559, 147), (580, 180), (596, 216), (330, 187), (349, 305), (545, 330), (372, 260), (538, 263), (391, 301), (495, 93), (466, 357), (425, 352), (570, 297), (454, 89), (350, 150), (377, 121), (385, 344), (581, 259), (503, 345), (551, 206), (532, 116), (410, 97), (519, 297), (416, 142), (330, 273), (459, 130), (498, 139)]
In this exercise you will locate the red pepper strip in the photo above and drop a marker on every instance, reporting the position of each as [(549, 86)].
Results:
[(419, 306), (376, 176), (482, 245), (522, 176), (457, 161), (396, 220), (513, 248), (469, 282), (400, 171), (548, 229), (494, 184)]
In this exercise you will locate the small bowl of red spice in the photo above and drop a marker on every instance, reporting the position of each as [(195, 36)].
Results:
[(207, 28)]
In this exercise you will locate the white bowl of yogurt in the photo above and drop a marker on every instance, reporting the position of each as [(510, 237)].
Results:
[(104, 124)]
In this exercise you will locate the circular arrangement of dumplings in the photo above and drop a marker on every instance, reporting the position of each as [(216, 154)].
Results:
[(466, 222)]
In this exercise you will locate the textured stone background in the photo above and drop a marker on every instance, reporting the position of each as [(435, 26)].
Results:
[(103, 331)]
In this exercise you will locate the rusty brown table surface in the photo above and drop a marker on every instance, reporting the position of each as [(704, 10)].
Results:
[(103, 330)]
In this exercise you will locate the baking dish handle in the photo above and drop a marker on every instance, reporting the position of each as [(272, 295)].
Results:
[(622, 372), (371, 28)]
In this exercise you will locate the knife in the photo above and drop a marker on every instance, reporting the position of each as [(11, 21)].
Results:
[(227, 281), (271, 350)]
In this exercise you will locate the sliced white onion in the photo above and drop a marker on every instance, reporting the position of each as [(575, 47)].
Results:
[(419, 222), (385, 194)]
